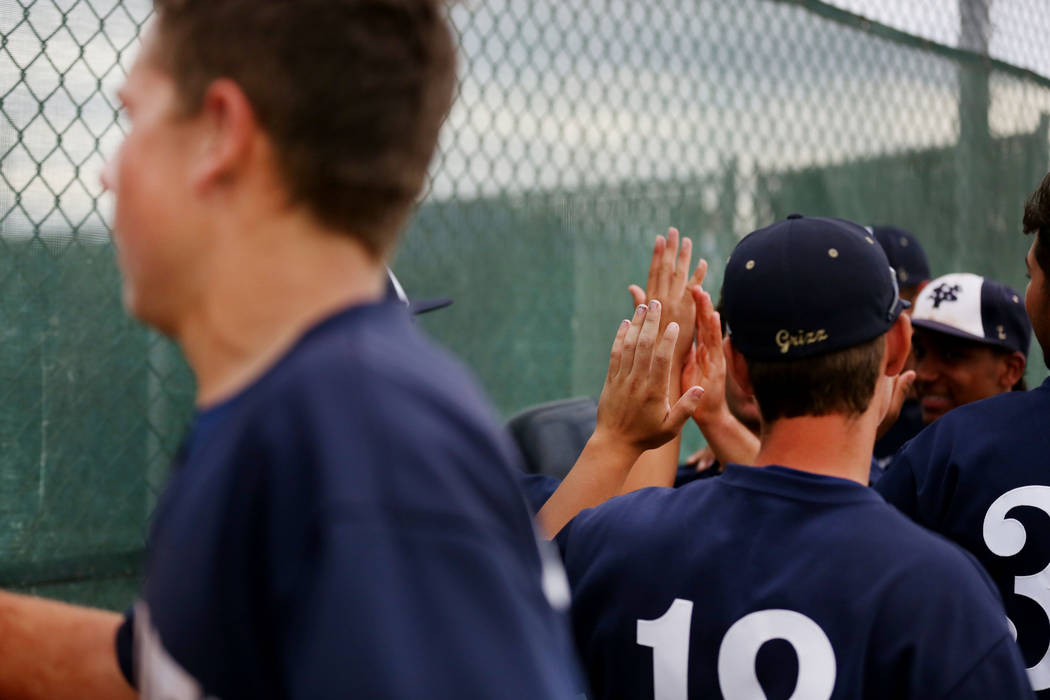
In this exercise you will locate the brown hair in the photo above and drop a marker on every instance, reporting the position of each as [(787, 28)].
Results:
[(1037, 220), (836, 382), (352, 94)]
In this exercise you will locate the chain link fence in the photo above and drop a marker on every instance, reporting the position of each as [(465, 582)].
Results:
[(582, 129)]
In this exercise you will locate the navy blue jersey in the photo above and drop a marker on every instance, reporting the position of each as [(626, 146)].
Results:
[(980, 475), (771, 580), (539, 488), (349, 526), (908, 425)]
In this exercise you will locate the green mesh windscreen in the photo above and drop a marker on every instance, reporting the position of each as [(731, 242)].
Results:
[(582, 129)]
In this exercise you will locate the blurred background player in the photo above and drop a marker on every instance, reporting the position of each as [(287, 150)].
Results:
[(980, 474), (307, 545), (971, 342), (676, 592), (908, 259)]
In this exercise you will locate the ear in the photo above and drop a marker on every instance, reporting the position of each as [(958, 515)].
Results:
[(1012, 370), (898, 345), (736, 365), (228, 128)]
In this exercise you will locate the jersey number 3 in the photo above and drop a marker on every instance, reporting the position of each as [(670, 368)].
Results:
[(668, 635), (1005, 537)]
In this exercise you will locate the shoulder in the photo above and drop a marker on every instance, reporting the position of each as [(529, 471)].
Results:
[(634, 524), (964, 441), (373, 357), (370, 376), (364, 411), (929, 567), (1012, 412)]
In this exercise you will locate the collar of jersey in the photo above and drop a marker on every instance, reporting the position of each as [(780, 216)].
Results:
[(798, 485)]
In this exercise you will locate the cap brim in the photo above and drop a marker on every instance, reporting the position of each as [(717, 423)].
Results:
[(953, 331), (422, 306)]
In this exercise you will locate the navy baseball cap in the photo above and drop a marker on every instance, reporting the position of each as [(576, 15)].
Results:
[(415, 306), (904, 252), (808, 286), (975, 308)]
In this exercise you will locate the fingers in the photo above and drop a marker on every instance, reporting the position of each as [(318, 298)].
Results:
[(637, 295), (681, 267), (700, 273), (706, 460), (617, 348), (666, 272), (708, 323), (654, 267), (630, 340), (690, 370), (683, 409), (645, 340), (660, 369)]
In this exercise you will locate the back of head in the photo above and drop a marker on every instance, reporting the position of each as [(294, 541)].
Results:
[(905, 254), (808, 302), (351, 93)]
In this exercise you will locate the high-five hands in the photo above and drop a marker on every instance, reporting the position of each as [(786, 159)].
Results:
[(707, 365), (634, 410), (635, 413), (669, 282), (728, 440)]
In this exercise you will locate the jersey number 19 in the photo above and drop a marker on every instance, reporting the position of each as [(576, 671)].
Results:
[(668, 635)]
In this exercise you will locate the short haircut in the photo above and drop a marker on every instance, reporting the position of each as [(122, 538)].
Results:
[(1037, 220), (351, 93), (840, 382)]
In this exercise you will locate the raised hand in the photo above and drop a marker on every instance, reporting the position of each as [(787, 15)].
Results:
[(635, 408), (669, 282), (635, 413), (729, 440), (706, 366)]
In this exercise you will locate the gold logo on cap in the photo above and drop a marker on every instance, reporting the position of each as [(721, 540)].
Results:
[(1002, 333), (786, 339)]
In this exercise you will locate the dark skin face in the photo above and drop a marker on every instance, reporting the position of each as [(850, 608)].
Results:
[(952, 371)]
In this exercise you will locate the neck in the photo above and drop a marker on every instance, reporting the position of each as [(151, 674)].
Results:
[(261, 292), (833, 445)]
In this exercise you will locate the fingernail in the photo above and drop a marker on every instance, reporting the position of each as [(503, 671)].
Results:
[(642, 308), (654, 304), (696, 391), (625, 322)]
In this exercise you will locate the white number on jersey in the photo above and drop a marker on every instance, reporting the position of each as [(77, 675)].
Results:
[(668, 635), (1005, 537)]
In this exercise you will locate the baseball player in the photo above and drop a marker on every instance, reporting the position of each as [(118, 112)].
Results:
[(971, 342), (791, 578), (343, 519), (979, 474)]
